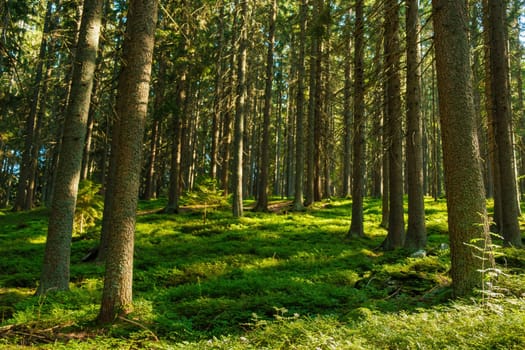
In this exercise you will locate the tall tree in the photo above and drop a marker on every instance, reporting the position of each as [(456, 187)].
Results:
[(416, 236), (502, 122), (176, 144), (396, 222), (158, 112), (110, 144), (314, 29), (299, 122), (218, 102), (131, 110), (291, 108), (25, 190), (240, 110), (358, 172), (467, 215), (55, 271), (226, 128), (347, 111), (377, 129), (493, 177), (262, 197), (516, 47)]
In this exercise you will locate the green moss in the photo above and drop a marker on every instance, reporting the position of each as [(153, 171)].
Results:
[(288, 280)]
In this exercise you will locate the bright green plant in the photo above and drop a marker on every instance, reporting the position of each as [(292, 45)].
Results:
[(487, 252), (205, 195), (90, 205)]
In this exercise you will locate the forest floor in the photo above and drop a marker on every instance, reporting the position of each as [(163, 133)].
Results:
[(277, 280)]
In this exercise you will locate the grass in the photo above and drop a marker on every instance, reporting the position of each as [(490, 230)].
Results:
[(264, 281)]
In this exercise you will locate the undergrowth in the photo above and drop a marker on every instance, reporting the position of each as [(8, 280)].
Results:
[(275, 280)]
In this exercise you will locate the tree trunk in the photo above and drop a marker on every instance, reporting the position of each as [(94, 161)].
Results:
[(278, 178), (358, 172), (158, 112), (385, 195), (298, 204), (218, 104), (131, 110), (262, 197), (311, 144), (226, 134), (318, 108), (518, 54), (290, 128), (24, 180), (55, 271), (172, 206), (396, 223), (494, 179), (240, 111), (416, 237), (501, 114), (347, 114), (467, 216), (377, 146), (186, 133), (86, 157)]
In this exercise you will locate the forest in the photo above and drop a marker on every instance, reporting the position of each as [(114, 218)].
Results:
[(273, 174)]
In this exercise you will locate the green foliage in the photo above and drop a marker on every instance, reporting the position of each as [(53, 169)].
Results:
[(89, 208), (206, 194), (264, 281)]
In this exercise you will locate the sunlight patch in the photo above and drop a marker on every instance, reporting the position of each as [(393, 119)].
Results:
[(37, 240)]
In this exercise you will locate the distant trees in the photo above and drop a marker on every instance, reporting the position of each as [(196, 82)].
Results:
[(306, 101), (25, 194)]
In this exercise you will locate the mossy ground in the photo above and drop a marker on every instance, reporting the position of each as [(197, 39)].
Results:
[(274, 280)]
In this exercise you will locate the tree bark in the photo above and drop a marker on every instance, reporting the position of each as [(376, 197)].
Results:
[(501, 113), (396, 223), (226, 134), (298, 204), (416, 237), (467, 216), (240, 110), (218, 103), (359, 144), (262, 197), (494, 178), (158, 113), (290, 128), (385, 195), (311, 145), (347, 114), (55, 271), (131, 110), (172, 206), (376, 134)]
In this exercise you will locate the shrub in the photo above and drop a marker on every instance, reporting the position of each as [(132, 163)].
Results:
[(90, 205)]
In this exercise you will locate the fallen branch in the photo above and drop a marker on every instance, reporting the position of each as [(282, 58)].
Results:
[(135, 323)]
